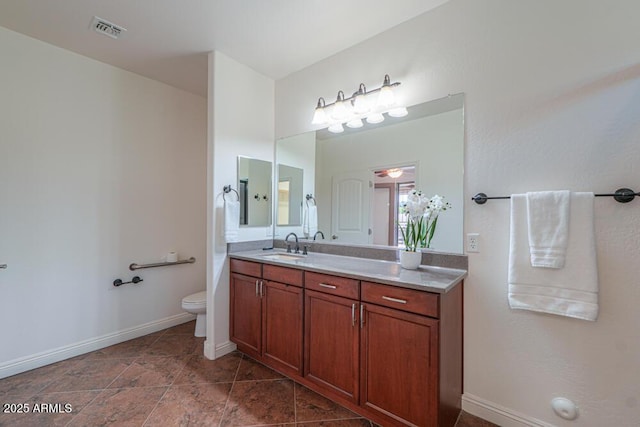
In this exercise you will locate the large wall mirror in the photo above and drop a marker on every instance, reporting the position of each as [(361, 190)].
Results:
[(254, 190), (358, 179)]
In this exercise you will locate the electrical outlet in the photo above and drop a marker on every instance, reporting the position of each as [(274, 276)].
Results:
[(473, 242)]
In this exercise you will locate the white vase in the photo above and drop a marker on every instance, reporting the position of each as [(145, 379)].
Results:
[(410, 260)]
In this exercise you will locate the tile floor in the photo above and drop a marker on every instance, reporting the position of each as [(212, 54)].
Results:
[(162, 379)]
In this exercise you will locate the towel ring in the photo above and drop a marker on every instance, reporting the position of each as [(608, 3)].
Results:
[(227, 189), (310, 197)]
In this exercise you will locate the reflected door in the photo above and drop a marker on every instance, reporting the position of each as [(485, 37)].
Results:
[(351, 207), (382, 221)]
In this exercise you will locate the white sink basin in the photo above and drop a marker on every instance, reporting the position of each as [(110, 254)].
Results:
[(283, 257)]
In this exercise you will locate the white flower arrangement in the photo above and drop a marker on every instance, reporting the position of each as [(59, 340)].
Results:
[(422, 218)]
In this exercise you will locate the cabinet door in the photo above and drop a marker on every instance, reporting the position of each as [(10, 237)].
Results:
[(399, 362), (331, 343), (246, 314), (282, 326)]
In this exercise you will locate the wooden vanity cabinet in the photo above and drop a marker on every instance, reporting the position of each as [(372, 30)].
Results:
[(332, 335), (411, 355), (389, 353), (399, 362), (266, 314), (282, 307), (245, 322)]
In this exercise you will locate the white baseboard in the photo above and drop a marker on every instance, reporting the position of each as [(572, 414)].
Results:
[(497, 414), (209, 350), (212, 352), (225, 348), (37, 360)]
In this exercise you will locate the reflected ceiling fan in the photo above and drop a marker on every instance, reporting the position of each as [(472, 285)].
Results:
[(391, 173)]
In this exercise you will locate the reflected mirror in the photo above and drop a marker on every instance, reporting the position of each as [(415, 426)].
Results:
[(289, 195), (254, 189), (358, 179)]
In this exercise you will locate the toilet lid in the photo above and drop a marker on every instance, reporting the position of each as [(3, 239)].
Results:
[(196, 298)]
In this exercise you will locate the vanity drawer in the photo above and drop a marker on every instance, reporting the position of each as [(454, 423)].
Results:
[(288, 276), (247, 268), (341, 286), (419, 302)]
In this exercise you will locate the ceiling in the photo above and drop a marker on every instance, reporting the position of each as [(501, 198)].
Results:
[(167, 40)]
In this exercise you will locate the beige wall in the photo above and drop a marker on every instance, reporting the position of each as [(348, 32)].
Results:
[(551, 103), (99, 168)]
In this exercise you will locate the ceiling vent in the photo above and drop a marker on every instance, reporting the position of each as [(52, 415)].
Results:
[(102, 26)]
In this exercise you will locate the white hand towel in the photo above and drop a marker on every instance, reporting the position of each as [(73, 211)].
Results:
[(571, 291), (231, 220), (310, 220), (548, 223)]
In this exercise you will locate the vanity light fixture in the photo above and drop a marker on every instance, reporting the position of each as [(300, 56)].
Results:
[(361, 105)]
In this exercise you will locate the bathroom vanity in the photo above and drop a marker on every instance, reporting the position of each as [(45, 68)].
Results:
[(383, 341)]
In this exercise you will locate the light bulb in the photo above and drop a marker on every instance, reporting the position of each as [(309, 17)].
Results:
[(319, 116), (360, 102), (398, 112), (375, 118), (386, 98), (336, 128), (355, 123), (339, 109)]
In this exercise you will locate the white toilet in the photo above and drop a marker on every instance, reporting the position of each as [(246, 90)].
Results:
[(197, 304)]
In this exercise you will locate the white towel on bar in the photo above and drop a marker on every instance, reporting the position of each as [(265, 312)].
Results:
[(231, 220), (548, 223), (310, 220), (570, 291)]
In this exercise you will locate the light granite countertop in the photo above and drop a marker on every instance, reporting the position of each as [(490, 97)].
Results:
[(425, 278)]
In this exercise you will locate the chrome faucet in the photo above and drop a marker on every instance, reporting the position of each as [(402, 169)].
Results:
[(320, 233), (286, 239)]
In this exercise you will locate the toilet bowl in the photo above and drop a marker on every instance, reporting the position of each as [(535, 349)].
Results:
[(197, 304)]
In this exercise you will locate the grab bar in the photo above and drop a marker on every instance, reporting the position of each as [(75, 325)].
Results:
[(135, 266)]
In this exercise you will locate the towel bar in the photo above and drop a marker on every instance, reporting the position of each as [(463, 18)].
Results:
[(622, 195), (135, 266)]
